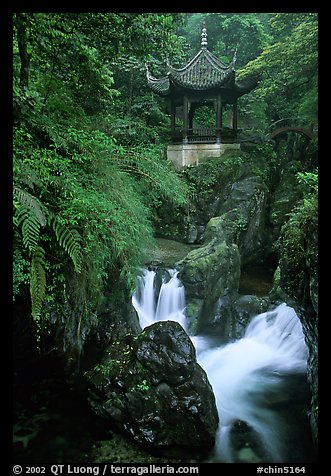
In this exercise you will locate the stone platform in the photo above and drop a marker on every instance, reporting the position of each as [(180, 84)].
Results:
[(191, 154)]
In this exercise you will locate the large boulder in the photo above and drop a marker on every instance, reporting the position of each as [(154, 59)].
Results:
[(233, 313), (152, 387), (210, 270), (208, 273), (298, 278)]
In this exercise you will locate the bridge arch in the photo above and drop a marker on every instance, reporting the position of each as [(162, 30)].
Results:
[(292, 124)]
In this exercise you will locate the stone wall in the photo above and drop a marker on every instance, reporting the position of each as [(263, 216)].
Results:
[(191, 154)]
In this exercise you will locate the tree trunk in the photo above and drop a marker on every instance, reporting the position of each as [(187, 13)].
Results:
[(23, 50)]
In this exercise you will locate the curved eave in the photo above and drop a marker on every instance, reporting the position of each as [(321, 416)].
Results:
[(246, 85), (160, 86)]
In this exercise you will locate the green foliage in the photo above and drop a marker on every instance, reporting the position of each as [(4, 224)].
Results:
[(288, 66), (252, 110), (30, 227), (21, 270), (203, 179), (310, 182), (30, 216), (294, 233), (37, 281), (30, 206), (142, 387), (226, 31), (69, 239), (205, 117), (296, 251), (96, 203), (263, 162), (107, 367)]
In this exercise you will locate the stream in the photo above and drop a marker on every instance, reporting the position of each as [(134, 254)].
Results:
[(259, 381)]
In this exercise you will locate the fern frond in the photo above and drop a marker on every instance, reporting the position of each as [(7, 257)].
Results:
[(37, 281), (31, 202), (69, 239), (30, 227)]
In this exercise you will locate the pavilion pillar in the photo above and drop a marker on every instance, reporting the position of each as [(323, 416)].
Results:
[(191, 111), (235, 115), (218, 118), (185, 119)]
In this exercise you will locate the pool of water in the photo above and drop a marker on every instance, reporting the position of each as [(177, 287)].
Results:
[(256, 279)]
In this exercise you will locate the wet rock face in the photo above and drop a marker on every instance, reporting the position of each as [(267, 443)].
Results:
[(244, 210), (234, 237), (298, 278), (210, 270), (153, 388), (167, 354)]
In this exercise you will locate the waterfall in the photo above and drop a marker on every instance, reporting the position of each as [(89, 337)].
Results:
[(251, 377), (170, 302)]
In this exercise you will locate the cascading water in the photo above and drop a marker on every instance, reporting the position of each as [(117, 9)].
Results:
[(170, 302), (248, 378), (254, 379)]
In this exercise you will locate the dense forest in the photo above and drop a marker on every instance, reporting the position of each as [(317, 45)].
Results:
[(93, 189)]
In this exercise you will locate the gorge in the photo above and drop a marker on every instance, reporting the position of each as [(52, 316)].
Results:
[(254, 378), (256, 348)]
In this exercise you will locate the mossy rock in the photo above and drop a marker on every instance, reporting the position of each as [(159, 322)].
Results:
[(156, 392)]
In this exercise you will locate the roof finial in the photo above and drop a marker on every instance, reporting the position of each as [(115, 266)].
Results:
[(204, 35)]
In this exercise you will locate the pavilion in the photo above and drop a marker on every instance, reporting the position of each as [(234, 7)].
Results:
[(203, 81)]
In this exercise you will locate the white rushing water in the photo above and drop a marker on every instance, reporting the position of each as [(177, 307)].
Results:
[(169, 305), (247, 375)]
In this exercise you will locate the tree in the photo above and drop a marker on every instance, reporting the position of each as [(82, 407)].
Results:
[(228, 32), (289, 66)]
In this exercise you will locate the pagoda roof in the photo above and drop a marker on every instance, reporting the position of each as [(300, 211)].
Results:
[(203, 72)]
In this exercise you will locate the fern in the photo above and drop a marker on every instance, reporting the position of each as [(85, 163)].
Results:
[(30, 227), (69, 239), (37, 281), (32, 215), (32, 203)]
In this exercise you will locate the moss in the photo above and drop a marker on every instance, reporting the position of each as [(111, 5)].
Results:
[(193, 310)]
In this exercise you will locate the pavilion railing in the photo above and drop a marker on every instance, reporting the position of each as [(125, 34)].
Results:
[(203, 135)]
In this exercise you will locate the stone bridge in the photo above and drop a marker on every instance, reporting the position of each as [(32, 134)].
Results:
[(299, 125)]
